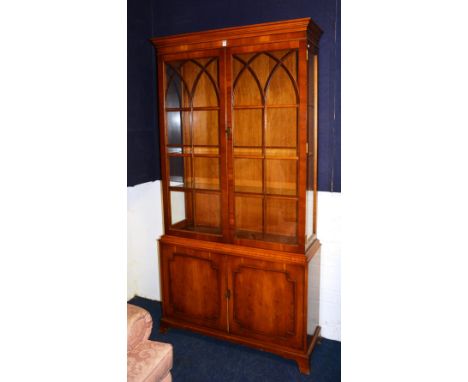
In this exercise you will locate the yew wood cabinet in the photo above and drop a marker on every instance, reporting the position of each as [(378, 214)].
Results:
[(238, 125)]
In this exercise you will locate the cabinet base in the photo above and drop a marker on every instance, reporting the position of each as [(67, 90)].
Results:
[(301, 358)]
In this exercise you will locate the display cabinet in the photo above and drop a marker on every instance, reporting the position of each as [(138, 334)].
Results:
[(238, 141)]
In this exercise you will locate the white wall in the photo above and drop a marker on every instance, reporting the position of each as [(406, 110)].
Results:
[(329, 234), (145, 226)]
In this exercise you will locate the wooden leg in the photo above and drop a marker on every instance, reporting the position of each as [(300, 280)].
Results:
[(163, 328), (304, 365), (304, 362)]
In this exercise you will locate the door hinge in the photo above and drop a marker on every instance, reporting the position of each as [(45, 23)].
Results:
[(227, 294), (307, 54)]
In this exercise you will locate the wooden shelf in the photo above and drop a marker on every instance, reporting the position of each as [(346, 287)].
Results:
[(201, 229), (251, 235)]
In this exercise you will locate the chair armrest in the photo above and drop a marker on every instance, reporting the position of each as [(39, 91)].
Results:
[(139, 325)]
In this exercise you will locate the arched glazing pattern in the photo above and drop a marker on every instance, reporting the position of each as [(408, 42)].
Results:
[(265, 106), (192, 139), (266, 78), (192, 83)]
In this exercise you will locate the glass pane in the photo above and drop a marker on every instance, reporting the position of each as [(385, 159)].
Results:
[(262, 65), (207, 210), (206, 172), (309, 213), (178, 128), (173, 96), (179, 172), (281, 177), (281, 88), (205, 128), (281, 127), (179, 150), (174, 150), (181, 207), (248, 175), (249, 213), (280, 216), (247, 127), (310, 172), (178, 90), (189, 72), (289, 59), (247, 88), (310, 196), (238, 65), (206, 91), (174, 128)]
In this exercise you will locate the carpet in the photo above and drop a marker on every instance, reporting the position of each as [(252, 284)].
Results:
[(199, 358)]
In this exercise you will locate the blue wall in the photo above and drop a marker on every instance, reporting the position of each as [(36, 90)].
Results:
[(142, 134), (181, 16)]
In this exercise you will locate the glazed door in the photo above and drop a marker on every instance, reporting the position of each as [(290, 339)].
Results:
[(266, 301), (194, 286), (265, 147), (193, 143)]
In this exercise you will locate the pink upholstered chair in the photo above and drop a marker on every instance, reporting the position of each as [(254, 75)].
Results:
[(147, 361)]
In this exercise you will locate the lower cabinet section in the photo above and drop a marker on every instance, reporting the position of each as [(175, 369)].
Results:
[(238, 297)]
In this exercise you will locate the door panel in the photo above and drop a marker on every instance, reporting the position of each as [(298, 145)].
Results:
[(267, 301), (193, 286), (194, 142), (264, 148)]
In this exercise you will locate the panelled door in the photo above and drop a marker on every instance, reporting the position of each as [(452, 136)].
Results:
[(193, 143), (266, 301), (194, 286)]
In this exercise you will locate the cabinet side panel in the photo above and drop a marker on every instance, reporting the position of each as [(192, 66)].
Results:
[(302, 152), (312, 131), (313, 293)]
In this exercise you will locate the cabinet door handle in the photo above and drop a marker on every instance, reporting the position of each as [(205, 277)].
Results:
[(228, 131)]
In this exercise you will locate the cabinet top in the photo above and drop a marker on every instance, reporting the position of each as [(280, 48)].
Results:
[(294, 29)]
